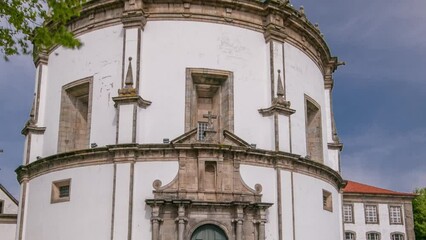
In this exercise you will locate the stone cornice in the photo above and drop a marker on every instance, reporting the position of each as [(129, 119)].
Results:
[(30, 128), (335, 146), (382, 198), (165, 152), (275, 19), (276, 108), (131, 99)]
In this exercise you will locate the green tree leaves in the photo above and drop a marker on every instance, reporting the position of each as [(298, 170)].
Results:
[(419, 211), (43, 23)]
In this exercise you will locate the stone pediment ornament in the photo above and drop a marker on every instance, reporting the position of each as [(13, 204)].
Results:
[(234, 140), (230, 139), (128, 94), (188, 137), (279, 104)]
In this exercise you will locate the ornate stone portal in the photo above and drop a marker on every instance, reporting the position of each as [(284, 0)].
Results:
[(207, 190)]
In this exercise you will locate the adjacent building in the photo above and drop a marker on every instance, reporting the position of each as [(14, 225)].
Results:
[(372, 213), (8, 214)]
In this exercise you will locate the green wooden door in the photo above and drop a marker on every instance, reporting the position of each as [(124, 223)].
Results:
[(209, 232)]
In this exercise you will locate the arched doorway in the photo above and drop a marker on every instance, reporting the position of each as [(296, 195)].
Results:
[(209, 232)]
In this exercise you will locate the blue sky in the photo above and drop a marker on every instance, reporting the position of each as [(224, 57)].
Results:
[(379, 96)]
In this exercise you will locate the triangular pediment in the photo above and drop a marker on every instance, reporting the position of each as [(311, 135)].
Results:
[(229, 138)]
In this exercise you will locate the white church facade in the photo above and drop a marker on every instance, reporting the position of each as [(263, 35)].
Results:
[(184, 120)]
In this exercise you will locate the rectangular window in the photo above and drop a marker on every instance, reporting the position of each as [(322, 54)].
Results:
[(202, 127), (314, 148), (348, 213), (349, 236), (395, 215), (373, 236), (327, 201), (61, 191), (371, 215), (75, 115), (1, 206), (397, 236)]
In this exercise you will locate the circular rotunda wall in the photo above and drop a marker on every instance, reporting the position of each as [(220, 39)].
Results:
[(177, 114)]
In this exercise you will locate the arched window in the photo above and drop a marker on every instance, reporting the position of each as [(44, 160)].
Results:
[(209, 232), (397, 236), (373, 236), (350, 236)]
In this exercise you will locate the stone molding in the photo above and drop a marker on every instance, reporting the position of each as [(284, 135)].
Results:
[(276, 108), (131, 99), (8, 218), (164, 152), (30, 128), (277, 20)]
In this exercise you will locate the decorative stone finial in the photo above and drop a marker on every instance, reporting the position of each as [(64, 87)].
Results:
[(280, 87), (129, 76), (302, 10), (280, 99), (128, 89), (317, 26)]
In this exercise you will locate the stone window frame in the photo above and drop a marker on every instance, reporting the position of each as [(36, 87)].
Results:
[(190, 96), (55, 193), (351, 232), (400, 215), (67, 87), (1, 206), (377, 213), (327, 200), (373, 232), (309, 99), (392, 234), (351, 205)]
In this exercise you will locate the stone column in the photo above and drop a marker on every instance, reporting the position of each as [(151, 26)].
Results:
[(181, 220), (261, 220), (155, 221), (239, 222)]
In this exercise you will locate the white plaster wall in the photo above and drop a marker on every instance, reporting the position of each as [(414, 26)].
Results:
[(328, 115), (309, 212), (145, 174), (7, 231), (333, 161), (36, 146), (125, 122), (43, 86), (287, 204), (9, 207), (121, 204), (384, 227), (100, 57), (304, 77), (87, 214), (267, 177), (169, 47)]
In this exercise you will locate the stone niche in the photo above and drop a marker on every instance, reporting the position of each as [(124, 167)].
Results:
[(208, 191)]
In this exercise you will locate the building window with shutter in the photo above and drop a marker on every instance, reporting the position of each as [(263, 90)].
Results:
[(373, 236), (348, 213), (395, 215), (371, 215), (349, 236)]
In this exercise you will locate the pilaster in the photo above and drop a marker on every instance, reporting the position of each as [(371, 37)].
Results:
[(33, 130), (127, 103)]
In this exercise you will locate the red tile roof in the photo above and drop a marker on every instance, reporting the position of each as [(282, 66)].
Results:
[(355, 187)]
